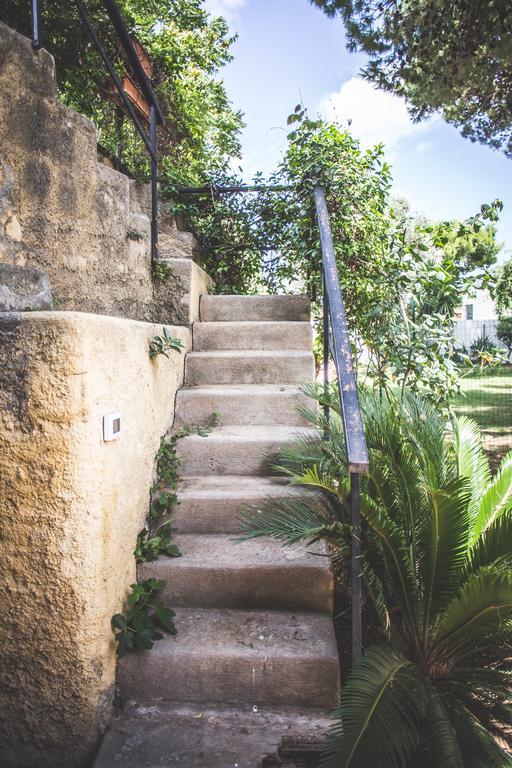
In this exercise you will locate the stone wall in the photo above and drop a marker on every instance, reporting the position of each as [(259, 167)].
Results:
[(78, 220), (71, 507)]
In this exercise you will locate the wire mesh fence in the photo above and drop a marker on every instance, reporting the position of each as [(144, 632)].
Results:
[(486, 386)]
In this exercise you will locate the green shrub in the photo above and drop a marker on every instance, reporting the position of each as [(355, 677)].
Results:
[(437, 568)]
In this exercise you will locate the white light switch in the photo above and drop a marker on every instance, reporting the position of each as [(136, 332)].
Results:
[(111, 426)]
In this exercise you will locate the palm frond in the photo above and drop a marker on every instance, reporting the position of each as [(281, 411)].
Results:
[(446, 552), (497, 498), (441, 737), (481, 610), (397, 556), (376, 595), (325, 482), (493, 546), (382, 706), (288, 520), (472, 462), (479, 749)]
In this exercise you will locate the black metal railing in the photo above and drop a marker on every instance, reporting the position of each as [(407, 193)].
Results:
[(337, 342), (156, 116), (336, 346)]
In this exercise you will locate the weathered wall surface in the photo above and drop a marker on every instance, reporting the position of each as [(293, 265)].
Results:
[(71, 507), (63, 212)]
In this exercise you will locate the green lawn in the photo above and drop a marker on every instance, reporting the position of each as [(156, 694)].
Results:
[(487, 397)]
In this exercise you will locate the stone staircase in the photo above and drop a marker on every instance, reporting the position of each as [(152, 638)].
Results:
[(254, 668)]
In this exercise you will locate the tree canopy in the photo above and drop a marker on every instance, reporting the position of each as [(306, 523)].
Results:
[(452, 56)]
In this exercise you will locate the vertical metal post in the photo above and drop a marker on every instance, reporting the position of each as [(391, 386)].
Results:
[(36, 25), (154, 186), (356, 566), (326, 333)]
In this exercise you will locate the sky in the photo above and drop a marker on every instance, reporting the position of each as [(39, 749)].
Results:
[(288, 51)]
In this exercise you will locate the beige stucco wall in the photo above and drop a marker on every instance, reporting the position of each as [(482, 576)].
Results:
[(83, 223), (70, 509)]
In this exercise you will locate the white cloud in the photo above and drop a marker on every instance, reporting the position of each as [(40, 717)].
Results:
[(226, 8), (376, 116)]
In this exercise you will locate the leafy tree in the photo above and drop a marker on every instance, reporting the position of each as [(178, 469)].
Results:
[(504, 332), (402, 284), (187, 49), (437, 566), (402, 281), (453, 57), (504, 289)]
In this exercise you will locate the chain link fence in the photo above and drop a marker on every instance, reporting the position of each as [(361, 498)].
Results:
[(486, 388)]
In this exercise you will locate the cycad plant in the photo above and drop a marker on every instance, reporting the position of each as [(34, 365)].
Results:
[(437, 566)]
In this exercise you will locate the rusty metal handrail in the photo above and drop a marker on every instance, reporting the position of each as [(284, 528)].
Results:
[(337, 340), (156, 115)]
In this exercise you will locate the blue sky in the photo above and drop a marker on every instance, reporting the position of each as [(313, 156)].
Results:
[(288, 51)]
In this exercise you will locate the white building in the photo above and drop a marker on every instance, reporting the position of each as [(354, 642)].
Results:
[(476, 317)]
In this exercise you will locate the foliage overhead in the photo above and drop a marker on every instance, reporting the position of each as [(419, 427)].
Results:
[(452, 57), (402, 280), (187, 48), (433, 689)]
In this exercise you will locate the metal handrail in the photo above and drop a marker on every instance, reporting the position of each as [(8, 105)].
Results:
[(337, 339), (142, 80)]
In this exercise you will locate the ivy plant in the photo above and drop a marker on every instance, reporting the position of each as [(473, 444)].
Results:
[(145, 619), (151, 545), (161, 271)]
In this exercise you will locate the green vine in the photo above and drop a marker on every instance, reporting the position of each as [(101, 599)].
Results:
[(161, 271), (162, 345), (150, 546), (144, 620)]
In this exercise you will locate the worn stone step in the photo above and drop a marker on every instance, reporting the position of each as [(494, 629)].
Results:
[(242, 404), (250, 367), (250, 335), (236, 450), (198, 736), (232, 656), (250, 308), (213, 504), (216, 571)]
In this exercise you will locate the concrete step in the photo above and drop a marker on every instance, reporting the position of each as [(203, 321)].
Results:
[(250, 308), (236, 450), (250, 335), (213, 504), (250, 367), (198, 736), (243, 404), (216, 571), (229, 656)]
